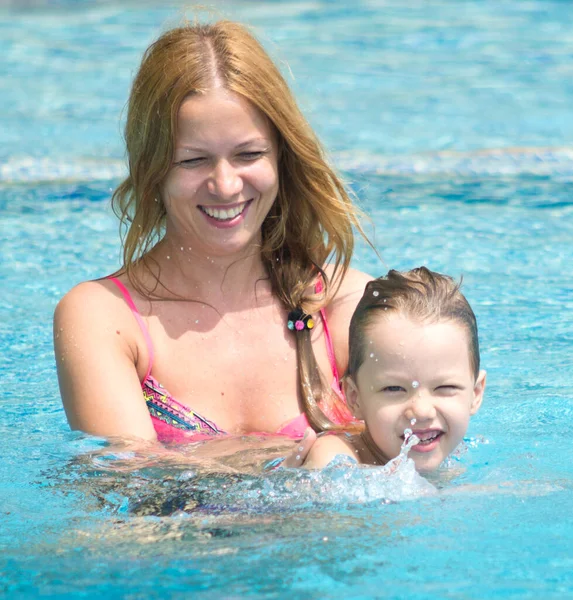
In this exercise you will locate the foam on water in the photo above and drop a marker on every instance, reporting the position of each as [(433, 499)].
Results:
[(127, 481)]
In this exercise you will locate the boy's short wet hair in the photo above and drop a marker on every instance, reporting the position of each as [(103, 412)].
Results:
[(420, 294)]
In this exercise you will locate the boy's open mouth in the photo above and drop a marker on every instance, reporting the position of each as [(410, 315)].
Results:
[(428, 439)]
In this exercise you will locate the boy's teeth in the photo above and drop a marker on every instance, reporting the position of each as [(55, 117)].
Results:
[(224, 214), (427, 437)]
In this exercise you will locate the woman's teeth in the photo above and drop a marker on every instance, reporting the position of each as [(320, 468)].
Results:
[(222, 214)]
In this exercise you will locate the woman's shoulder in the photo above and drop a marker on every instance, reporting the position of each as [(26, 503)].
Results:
[(90, 301), (348, 293), (340, 309), (354, 282), (94, 317)]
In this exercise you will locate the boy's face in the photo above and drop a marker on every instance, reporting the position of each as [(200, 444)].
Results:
[(416, 370)]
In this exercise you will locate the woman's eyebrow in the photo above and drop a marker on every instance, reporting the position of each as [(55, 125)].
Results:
[(252, 141), (240, 146)]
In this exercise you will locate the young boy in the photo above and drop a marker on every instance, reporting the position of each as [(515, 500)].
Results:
[(413, 365)]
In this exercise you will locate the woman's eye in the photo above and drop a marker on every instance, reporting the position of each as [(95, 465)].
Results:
[(191, 162), (251, 155)]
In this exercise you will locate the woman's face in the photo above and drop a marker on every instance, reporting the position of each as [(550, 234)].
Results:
[(224, 177)]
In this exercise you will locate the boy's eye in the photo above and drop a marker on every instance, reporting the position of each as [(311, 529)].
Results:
[(447, 390), (393, 389)]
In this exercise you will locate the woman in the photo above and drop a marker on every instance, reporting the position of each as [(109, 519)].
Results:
[(231, 215)]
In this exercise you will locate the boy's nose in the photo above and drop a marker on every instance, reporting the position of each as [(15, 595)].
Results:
[(224, 182), (421, 407)]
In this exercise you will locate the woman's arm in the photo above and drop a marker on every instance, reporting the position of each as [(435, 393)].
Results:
[(96, 348)]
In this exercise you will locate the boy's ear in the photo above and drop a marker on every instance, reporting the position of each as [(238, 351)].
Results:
[(352, 396), (479, 389)]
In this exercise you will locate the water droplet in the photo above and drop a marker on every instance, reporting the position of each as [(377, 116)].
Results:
[(372, 355), (168, 257), (415, 384), (375, 293), (298, 457), (413, 422), (325, 539), (197, 321), (384, 300), (182, 248)]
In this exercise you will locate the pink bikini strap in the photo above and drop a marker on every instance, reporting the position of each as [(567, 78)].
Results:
[(329, 347), (129, 300)]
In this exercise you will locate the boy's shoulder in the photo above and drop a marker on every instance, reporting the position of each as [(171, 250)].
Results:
[(327, 446)]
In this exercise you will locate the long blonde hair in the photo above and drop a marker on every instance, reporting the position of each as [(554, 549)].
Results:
[(312, 218)]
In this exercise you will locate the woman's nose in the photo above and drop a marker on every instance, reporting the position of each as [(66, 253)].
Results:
[(224, 182)]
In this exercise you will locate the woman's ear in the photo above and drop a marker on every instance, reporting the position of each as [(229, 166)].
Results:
[(352, 396), (479, 389)]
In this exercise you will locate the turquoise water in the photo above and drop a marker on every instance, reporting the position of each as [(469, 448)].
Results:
[(452, 123)]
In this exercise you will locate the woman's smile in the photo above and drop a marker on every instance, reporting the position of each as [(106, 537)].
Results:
[(225, 216)]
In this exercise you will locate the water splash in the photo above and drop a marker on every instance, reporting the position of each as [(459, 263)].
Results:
[(410, 440), (160, 488)]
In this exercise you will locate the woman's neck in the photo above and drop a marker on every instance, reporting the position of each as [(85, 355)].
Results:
[(228, 282)]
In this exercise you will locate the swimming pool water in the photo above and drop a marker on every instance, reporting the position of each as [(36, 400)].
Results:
[(452, 124)]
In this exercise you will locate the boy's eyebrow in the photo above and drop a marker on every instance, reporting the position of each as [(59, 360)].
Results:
[(447, 375), (385, 375)]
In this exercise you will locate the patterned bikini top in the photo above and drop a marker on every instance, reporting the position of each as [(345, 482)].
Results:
[(175, 422)]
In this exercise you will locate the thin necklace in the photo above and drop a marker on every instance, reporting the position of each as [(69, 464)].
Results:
[(372, 447)]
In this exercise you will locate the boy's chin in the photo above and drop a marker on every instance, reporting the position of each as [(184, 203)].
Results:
[(426, 465)]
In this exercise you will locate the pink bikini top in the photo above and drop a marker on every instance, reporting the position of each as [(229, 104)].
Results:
[(175, 422)]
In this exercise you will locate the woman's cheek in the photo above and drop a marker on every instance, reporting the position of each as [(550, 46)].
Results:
[(177, 185)]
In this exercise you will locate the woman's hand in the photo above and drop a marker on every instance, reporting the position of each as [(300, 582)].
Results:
[(298, 455)]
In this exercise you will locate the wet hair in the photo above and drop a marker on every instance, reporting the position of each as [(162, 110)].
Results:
[(311, 221), (420, 294)]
